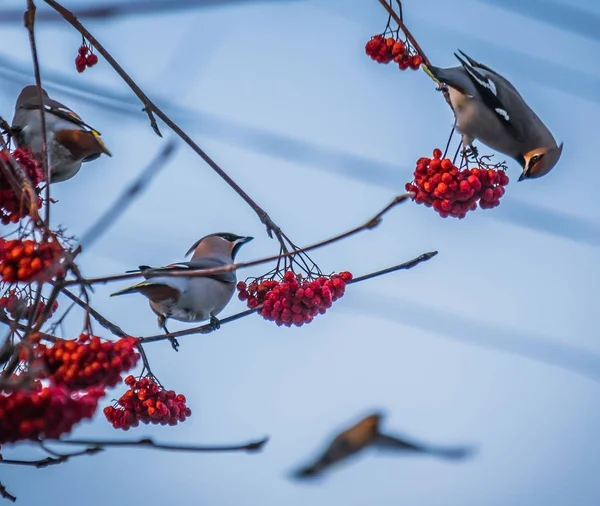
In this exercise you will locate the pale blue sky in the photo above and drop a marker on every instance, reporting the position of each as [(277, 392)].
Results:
[(424, 345)]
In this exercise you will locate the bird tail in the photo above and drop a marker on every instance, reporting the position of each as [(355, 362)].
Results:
[(131, 289)]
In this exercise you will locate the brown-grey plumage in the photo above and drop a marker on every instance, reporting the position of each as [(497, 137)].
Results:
[(367, 433), (489, 108), (192, 299), (71, 141)]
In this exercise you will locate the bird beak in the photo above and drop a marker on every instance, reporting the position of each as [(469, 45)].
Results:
[(245, 240), (522, 176)]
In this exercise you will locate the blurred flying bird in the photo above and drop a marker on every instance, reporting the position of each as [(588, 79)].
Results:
[(366, 433)]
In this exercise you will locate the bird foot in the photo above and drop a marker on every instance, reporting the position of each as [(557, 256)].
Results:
[(215, 323), (174, 343), (471, 152)]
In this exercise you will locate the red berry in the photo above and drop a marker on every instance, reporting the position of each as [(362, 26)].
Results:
[(91, 60), (415, 62)]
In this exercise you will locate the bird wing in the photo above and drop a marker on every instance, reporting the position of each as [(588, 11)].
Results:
[(63, 112), (339, 449), (198, 263), (345, 444), (156, 292), (490, 90), (384, 441), (481, 66)]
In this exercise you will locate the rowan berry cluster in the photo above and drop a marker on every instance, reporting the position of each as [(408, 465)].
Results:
[(48, 412), (19, 307), (11, 205), (147, 402), (28, 260), (452, 192), (88, 361), (85, 58), (387, 49), (295, 300)]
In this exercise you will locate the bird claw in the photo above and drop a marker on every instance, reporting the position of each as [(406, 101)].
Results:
[(174, 343), (215, 323), (471, 152)]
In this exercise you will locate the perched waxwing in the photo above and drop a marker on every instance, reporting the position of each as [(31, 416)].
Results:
[(70, 141), (489, 108), (192, 299), (366, 433)]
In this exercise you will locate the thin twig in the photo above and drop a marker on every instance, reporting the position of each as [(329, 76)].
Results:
[(110, 326), (151, 109), (405, 266), (368, 225), (29, 21), (405, 30), (127, 198), (253, 446), (51, 461), (5, 494), (208, 328)]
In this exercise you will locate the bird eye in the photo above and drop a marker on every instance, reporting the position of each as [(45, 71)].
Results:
[(535, 159)]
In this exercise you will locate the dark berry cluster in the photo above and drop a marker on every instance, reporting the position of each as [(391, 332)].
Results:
[(147, 402), (452, 192), (47, 412), (387, 49), (86, 361), (12, 207), (294, 300), (19, 307)]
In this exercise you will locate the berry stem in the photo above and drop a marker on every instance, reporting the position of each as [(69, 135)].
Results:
[(108, 325), (152, 109), (405, 30)]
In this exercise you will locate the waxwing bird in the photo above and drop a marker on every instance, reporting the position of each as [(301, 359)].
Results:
[(366, 433), (489, 108), (70, 141), (192, 299)]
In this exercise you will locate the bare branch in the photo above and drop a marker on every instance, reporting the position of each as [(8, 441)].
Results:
[(253, 446), (151, 109), (51, 461), (5, 494), (29, 21), (208, 328), (368, 225)]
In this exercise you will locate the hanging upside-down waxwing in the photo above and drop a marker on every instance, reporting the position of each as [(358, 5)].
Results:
[(192, 299), (489, 108), (70, 140)]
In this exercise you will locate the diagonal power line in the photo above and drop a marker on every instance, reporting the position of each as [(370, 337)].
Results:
[(107, 11), (560, 15), (476, 332), (367, 170)]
